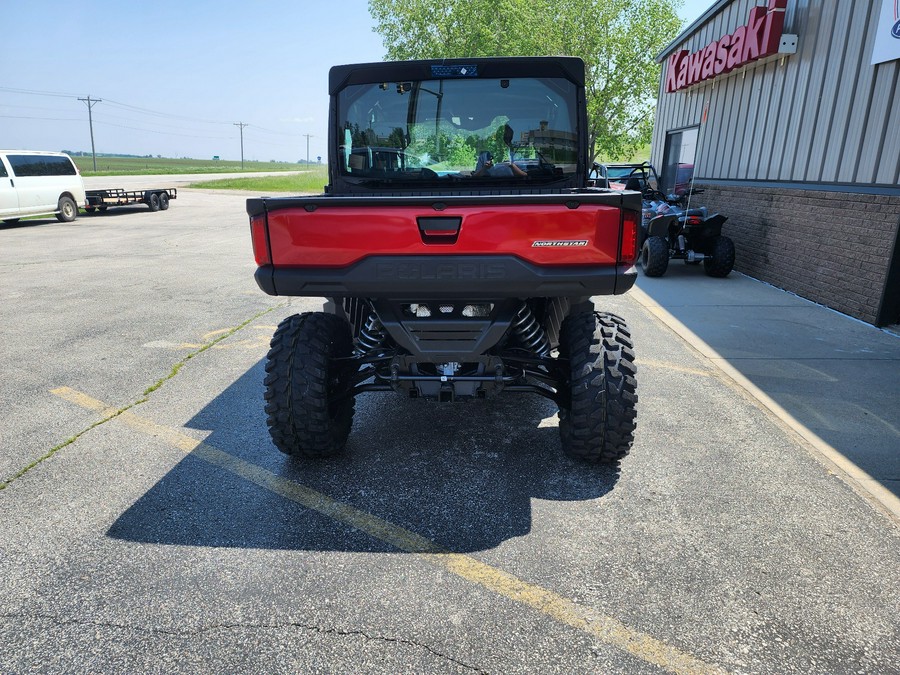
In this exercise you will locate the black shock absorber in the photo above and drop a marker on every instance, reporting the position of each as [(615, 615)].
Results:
[(370, 337), (529, 332)]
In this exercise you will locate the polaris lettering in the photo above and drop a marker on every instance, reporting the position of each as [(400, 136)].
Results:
[(440, 271)]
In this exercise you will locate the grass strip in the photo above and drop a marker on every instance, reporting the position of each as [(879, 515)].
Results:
[(311, 182), (144, 398), (138, 166)]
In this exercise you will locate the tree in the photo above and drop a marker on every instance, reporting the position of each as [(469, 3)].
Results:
[(618, 42)]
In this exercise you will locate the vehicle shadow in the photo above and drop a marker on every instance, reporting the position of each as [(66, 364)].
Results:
[(462, 475), (82, 217), (26, 223), (115, 211), (836, 377)]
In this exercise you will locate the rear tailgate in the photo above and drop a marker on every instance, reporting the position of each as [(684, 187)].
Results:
[(517, 245)]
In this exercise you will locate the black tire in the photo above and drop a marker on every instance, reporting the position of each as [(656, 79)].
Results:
[(101, 209), (598, 423), (152, 200), (163, 201), (301, 376), (722, 261), (67, 210), (655, 256)]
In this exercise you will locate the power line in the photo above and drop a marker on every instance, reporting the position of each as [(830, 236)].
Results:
[(157, 113), (90, 105), (49, 119), (35, 92), (102, 120)]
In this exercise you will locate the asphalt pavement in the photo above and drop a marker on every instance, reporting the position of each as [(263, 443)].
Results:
[(147, 523)]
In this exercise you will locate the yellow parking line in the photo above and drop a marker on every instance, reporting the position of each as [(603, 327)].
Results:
[(604, 628)]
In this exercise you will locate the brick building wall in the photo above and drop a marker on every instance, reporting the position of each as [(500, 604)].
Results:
[(833, 248)]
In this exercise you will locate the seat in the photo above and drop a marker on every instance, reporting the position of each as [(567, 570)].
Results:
[(634, 183)]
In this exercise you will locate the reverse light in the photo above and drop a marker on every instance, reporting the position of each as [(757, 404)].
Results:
[(628, 250), (260, 236)]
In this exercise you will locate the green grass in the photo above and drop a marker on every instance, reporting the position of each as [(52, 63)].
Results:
[(136, 166), (640, 155), (312, 181)]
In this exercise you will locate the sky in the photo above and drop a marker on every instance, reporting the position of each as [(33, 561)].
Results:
[(175, 78)]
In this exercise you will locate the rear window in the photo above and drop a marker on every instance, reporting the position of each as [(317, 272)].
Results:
[(469, 131), (41, 165)]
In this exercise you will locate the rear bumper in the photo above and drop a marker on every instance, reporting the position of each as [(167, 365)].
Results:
[(446, 277)]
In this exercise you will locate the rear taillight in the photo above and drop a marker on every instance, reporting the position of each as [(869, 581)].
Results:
[(628, 251), (260, 236)]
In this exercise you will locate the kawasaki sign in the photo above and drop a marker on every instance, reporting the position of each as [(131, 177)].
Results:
[(758, 39)]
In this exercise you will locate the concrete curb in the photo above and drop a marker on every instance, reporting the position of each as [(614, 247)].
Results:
[(882, 499)]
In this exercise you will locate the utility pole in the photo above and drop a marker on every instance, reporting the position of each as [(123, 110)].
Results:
[(90, 104), (308, 136), (242, 125)]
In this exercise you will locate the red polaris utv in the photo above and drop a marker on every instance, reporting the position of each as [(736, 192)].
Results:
[(459, 244)]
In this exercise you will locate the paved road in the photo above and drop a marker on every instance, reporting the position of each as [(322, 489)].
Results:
[(147, 523)]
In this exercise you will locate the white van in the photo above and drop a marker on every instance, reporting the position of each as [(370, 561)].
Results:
[(39, 184)]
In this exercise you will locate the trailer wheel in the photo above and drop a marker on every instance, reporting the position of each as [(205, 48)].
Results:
[(67, 210), (152, 200), (163, 201)]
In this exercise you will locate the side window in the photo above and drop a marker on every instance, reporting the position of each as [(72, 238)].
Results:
[(3, 173), (41, 165)]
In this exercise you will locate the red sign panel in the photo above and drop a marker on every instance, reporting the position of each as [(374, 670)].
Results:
[(759, 38)]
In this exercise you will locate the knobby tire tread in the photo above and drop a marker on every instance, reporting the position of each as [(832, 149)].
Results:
[(300, 418), (655, 256), (600, 421), (722, 261)]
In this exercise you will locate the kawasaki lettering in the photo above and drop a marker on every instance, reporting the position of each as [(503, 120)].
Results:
[(755, 40)]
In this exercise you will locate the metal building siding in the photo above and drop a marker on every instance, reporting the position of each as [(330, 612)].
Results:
[(812, 106), (822, 115), (887, 125), (842, 153)]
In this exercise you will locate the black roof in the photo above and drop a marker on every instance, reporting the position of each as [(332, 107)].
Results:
[(568, 67)]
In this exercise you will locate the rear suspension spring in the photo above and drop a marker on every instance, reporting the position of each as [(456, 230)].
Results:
[(529, 332), (370, 337)]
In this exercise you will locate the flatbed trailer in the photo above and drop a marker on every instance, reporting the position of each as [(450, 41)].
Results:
[(156, 199)]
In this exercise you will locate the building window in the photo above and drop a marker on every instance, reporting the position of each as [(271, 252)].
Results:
[(678, 160)]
